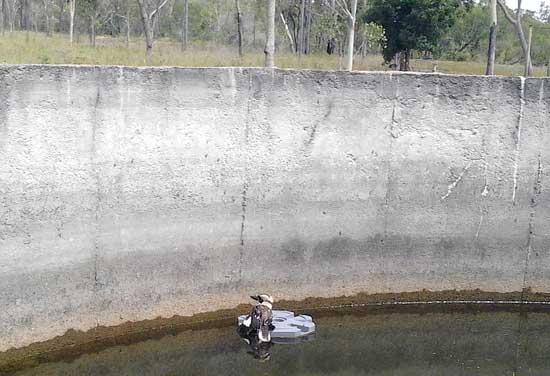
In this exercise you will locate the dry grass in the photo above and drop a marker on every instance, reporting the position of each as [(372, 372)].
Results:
[(36, 48)]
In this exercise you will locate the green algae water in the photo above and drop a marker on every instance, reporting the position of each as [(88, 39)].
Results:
[(482, 343)]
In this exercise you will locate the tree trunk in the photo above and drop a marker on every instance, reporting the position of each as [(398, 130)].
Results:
[(61, 19), (525, 48), (25, 15), (128, 26), (11, 14), (47, 18), (149, 37), (72, 8), (239, 27), (404, 61), (491, 53), (149, 21), (519, 30), (185, 25), (528, 65), (2, 7), (292, 46), (308, 28), (254, 31), (269, 50), (351, 35), (92, 28), (302, 28)]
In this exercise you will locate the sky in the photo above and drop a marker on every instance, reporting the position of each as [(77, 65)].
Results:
[(527, 4)]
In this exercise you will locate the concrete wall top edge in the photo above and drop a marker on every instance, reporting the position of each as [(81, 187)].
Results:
[(84, 67)]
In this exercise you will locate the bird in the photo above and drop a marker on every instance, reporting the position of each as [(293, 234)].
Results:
[(259, 321)]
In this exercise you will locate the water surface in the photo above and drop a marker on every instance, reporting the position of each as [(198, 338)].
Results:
[(498, 343)]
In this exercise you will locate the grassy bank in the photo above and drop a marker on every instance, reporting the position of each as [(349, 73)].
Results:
[(37, 48)]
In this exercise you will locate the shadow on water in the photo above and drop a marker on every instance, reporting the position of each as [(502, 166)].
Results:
[(460, 340)]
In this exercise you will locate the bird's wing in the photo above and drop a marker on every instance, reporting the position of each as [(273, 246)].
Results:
[(266, 315), (261, 316), (256, 316)]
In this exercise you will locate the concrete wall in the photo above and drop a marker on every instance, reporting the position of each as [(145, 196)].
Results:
[(127, 193)]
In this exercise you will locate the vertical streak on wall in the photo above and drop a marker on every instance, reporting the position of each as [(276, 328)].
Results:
[(392, 134), (518, 138), (245, 183), (95, 169), (537, 190)]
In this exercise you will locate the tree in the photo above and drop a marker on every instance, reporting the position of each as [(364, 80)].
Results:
[(26, 15), (544, 12), (90, 11), (301, 29), (491, 52), (72, 9), (239, 27), (149, 19), (349, 11), (516, 22), (185, 25), (2, 7), (48, 18), (288, 34), (411, 25), (269, 50)]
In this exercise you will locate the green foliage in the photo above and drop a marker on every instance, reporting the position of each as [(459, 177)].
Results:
[(330, 26), (373, 36), (544, 12), (412, 24), (468, 36)]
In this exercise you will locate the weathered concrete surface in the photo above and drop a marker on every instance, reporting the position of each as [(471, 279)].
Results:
[(129, 193)]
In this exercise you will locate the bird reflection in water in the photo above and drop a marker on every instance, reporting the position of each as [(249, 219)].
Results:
[(258, 349), (262, 350)]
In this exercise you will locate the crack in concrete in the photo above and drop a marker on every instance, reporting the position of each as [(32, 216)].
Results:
[(243, 215), (479, 225), (537, 190), (483, 208), (393, 124), (518, 138), (315, 127), (243, 221), (353, 161), (249, 99), (245, 183), (453, 185), (97, 208)]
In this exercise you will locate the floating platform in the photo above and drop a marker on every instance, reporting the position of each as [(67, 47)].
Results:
[(288, 326)]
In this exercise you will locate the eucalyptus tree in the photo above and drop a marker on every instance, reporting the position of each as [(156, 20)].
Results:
[(269, 50), (185, 25), (90, 10), (349, 10), (2, 7), (239, 27), (515, 20), (72, 10), (149, 12), (491, 53)]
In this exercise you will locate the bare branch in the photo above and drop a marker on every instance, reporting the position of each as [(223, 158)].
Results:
[(153, 13), (344, 7), (505, 11)]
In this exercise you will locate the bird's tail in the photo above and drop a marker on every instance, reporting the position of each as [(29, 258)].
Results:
[(263, 334)]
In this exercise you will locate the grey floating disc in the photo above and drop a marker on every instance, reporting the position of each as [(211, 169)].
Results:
[(289, 326)]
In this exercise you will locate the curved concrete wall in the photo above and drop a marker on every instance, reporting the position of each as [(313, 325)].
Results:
[(129, 193)]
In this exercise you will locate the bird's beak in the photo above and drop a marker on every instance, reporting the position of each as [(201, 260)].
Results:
[(255, 297)]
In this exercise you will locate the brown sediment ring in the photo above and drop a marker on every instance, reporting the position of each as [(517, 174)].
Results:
[(73, 343)]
